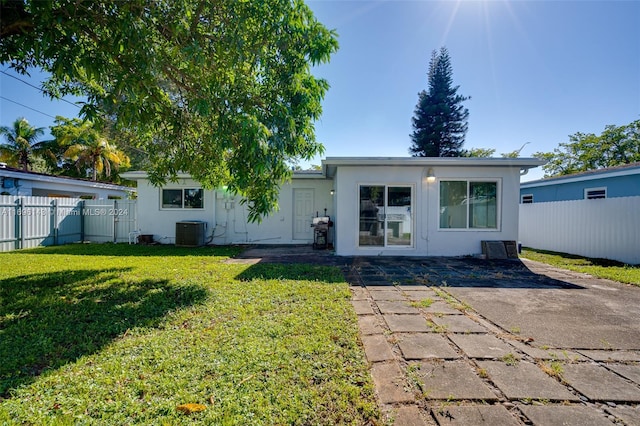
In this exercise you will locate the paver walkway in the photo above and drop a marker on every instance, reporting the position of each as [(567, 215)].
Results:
[(450, 343), (456, 341)]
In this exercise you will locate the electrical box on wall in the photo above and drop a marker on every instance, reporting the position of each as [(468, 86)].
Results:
[(190, 233)]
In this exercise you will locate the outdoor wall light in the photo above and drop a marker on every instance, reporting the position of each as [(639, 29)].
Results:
[(431, 176), (332, 192)]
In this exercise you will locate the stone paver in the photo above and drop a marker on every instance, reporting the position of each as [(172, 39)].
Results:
[(481, 345), (475, 415), (458, 324), (369, 324), (442, 308), (411, 416), (359, 293), (419, 295), (548, 354), (452, 380), (600, 355), (630, 371), (578, 415), (600, 384), (425, 346), (396, 307), (362, 307), (407, 323), (391, 384), (630, 415), (525, 380), (387, 295), (376, 348)]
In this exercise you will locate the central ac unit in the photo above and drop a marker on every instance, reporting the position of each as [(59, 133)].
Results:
[(190, 233)]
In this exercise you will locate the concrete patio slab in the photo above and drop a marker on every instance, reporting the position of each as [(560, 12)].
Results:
[(411, 415), (577, 415), (369, 324), (475, 415), (407, 323), (612, 355), (425, 346), (548, 354), (390, 383), (441, 308), (599, 384), (396, 307), (362, 307), (452, 380), (525, 381), (376, 348), (630, 371), (458, 324), (386, 295), (629, 415), (419, 295), (481, 345), (358, 293)]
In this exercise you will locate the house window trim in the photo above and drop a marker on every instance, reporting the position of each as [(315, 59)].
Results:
[(497, 181), (599, 188), (182, 208), (526, 195)]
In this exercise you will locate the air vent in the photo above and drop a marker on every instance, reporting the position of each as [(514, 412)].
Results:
[(190, 234)]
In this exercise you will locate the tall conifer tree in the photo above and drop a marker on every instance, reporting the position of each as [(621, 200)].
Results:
[(440, 119)]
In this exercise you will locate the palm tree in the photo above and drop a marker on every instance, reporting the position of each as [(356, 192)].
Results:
[(21, 143), (90, 150)]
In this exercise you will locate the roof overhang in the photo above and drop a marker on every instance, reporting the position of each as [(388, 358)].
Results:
[(330, 164), (582, 177)]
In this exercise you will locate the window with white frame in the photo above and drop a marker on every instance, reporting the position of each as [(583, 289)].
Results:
[(595, 193), (466, 204), (526, 199), (182, 198)]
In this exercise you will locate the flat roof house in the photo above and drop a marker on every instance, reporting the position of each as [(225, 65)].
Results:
[(21, 183), (612, 182), (403, 206)]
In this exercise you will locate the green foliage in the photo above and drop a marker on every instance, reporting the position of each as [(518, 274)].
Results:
[(21, 143), (601, 268), (615, 146), (478, 152), (440, 119), (222, 90), (120, 334), (87, 148)]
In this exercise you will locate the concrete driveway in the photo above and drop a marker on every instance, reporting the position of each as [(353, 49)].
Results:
[(457, 341)]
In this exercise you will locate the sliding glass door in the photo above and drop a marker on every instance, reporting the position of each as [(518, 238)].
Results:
[(385, 216)]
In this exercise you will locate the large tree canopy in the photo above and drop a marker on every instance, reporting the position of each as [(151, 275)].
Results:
[(616, 146), (440, 119), (219, 89)]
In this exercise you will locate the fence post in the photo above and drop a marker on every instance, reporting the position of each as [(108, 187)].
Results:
[(115, 221), (81, 206), (54, 221), (17, 227)]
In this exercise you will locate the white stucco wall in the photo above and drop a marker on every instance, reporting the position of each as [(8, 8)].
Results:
[(428, 239), (226, 217)]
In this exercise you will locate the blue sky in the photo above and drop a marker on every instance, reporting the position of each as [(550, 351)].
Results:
[(536, 71)]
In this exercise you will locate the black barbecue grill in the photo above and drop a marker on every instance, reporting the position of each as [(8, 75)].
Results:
[(320, 227)]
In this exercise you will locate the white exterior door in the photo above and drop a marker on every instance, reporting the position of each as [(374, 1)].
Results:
[(302, 214)]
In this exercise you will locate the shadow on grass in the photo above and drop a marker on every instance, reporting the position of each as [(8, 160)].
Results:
[(583, 261), (301, 271), (110, 249), (49, 320)]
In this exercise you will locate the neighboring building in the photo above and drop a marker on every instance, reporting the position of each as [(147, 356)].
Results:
[(621, 181), (18, 182), (379, 206)]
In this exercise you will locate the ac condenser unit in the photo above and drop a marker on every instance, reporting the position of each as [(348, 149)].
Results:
[(190, 234)]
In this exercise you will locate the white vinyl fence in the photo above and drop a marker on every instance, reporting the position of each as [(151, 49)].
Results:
[(603, 228), (27, 222)]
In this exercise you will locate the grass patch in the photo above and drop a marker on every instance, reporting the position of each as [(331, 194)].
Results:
[(424, 303), (601, 268), (164, 335), (510, 359), (553, 369)]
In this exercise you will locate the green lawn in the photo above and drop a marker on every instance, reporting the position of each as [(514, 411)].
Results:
[(601, 268), (119, 334)]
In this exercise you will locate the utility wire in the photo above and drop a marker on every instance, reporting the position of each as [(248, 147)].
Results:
[(24, 106), (38, 88)]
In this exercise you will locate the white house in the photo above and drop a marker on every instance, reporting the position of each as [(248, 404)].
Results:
[(406, 206), (19, 182)]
